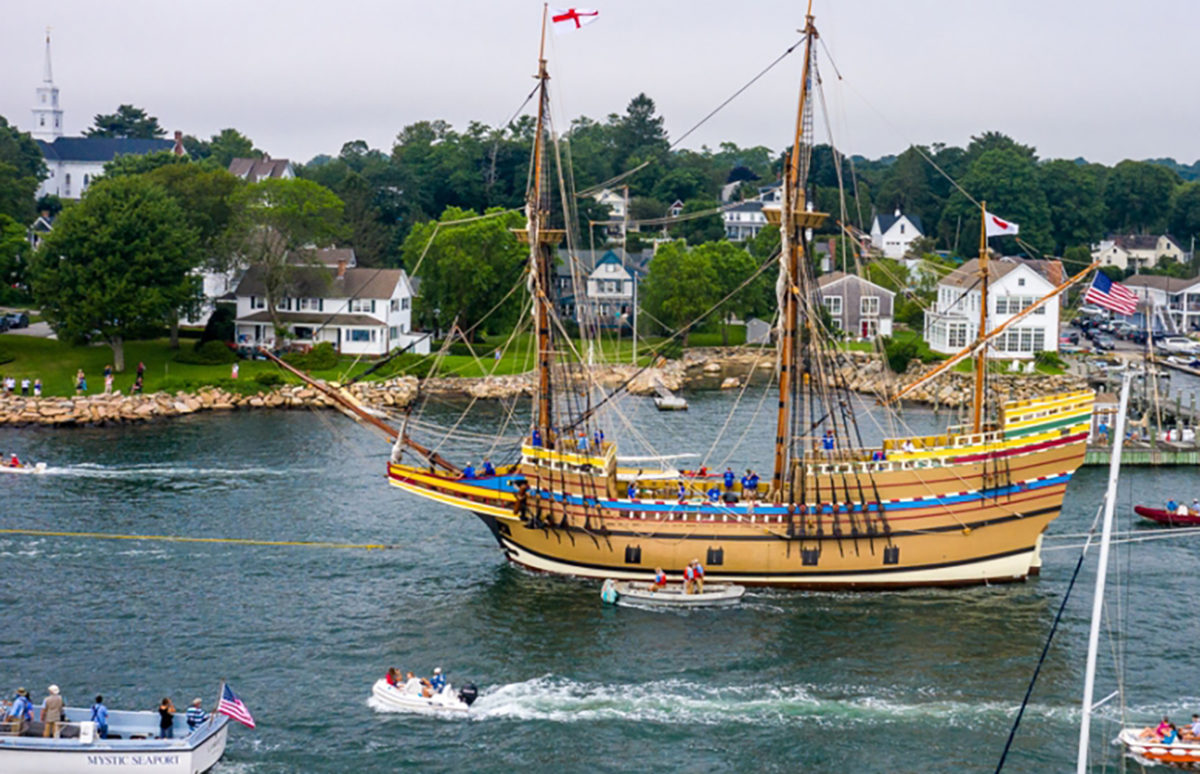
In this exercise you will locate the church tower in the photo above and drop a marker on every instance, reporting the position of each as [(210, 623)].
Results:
[(47, 115)]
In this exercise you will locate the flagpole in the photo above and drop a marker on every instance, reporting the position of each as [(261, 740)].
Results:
[(981, 353), (219, 697)]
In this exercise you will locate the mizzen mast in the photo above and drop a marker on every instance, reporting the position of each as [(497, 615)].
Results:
[(791, 288), (980, 339)]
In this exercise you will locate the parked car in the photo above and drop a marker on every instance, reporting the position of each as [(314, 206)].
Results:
[(17, 320), (1179, 345), (1070, 337), (1124, 330), (1104, 342)]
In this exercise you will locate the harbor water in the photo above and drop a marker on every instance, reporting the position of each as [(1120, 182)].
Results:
[(903, 681)]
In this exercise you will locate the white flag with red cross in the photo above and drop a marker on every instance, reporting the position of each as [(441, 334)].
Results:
[(568, 19)]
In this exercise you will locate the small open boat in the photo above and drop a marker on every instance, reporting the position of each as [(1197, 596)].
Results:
[(638, 594), (1179, 754), (1167, 518), (395, 699), (29, 468), (131, 745)]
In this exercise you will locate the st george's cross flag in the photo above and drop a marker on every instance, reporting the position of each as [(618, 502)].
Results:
[(567, 19), (1111, 295), (232, 706), (999, 226)]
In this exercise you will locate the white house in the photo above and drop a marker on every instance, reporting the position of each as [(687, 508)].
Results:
[(253, 170), (1013, 285), (611, 292), (73, 162), (1137, 251), (1177, 299), (744, 220), (615, 202), (857, 306), (893, 234), (359, 311)]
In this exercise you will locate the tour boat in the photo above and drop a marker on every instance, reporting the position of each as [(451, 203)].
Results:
[(132, 746), (1179, 754), (1167, 518), (393, 698), (27, 469), (967, 505), (638, 594)]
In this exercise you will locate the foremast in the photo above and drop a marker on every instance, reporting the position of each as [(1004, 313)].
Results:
[(792, 287), (979, 403)]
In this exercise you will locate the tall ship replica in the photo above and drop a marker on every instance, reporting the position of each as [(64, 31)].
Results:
[(965, 506)]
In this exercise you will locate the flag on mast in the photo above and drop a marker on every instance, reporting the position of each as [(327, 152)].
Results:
[(1111, 295), (999, 226), (232, 706), (567, 19)]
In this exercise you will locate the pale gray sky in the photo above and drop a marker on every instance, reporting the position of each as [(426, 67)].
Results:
[(1102, 79)]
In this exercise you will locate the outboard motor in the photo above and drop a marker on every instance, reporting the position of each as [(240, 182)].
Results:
[(468, 694)]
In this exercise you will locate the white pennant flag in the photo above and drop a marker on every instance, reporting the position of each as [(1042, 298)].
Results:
[(568, 19), (1000, 227)]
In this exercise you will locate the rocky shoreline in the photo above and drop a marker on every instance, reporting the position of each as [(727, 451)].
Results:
[(698, 369)]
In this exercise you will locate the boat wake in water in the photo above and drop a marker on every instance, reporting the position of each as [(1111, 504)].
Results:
[(161, 472), (560, 699)]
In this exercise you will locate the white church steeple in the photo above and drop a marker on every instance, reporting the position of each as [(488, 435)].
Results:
[(47, 115)]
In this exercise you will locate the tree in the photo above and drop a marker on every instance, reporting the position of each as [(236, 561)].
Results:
[(16, 193), (14, 249), (1184, 220), (273, 221), (128, 121), (467, 269), (707, 228), (21, 169), (231, 144), (134, 164), (733, 266), (1007, 179), (1075, 197), (116, 265), (681, 286), (1137, 196)]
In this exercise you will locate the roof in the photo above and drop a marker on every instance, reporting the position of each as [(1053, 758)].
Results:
[(587, 260), (319, 282), (327, 256), (965, 276), (834, 277), (1140, 241), (1159, 282), (887, 221), (100, 148), (748, 206), (258, 169), (315, 318)]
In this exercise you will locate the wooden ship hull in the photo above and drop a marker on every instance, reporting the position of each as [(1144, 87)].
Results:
[(955, 509)]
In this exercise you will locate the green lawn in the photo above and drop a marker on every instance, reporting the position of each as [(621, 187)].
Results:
[(55, 363)]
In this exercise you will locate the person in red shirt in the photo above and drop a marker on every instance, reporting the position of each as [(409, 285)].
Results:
[(660, 579)]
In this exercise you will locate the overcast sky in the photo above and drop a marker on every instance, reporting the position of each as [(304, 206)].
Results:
[(1102, 79)]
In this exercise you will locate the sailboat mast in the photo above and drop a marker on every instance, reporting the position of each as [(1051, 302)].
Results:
[(538, 256), (981, 352), (792, 240)]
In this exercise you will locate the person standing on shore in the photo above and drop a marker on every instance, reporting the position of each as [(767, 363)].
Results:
[(37, 388), (80, 382), (233, 372), (25, 386)]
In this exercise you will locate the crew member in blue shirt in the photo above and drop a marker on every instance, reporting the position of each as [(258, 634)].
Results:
[(827, 441), (488, 469), (439, 680), (100, 717), (195, 714), (714, 495), (536, 439), (468, 471), (598, 437), (682, 491), (583, 441), (750, 484), (729, 476), (1172, 506), (21, 709), (631, 490)]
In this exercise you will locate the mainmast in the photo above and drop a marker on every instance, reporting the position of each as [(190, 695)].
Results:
[(792, 219), (981, 348), (541, 249)]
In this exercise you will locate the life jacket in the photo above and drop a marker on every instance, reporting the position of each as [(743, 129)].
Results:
[(699, 571), (689, 573), (660, 579)]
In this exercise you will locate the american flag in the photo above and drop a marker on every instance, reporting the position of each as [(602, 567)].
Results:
[(1111, 295), (232, 706)]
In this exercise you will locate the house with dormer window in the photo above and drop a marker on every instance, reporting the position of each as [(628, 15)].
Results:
[(893, 234), (857, 306)]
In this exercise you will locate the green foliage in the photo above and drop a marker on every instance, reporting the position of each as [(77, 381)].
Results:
[(6, 355), (269, 378), (14, 253), (682, 285), (128, 121), (207, 353), (1007, 179), (1077, 258), (1184, 219), (708, 228), (671, 350), (321, 357), (905, 346), (220, 325), (1138, 196), (133, 164), (467, 269), (221, 148), (1075, 196), (117, 265), (1048, 359), (21, 169)]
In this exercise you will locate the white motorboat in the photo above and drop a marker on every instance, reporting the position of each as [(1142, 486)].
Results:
[(131, 745), (638, 594), (391, 698), (31, 468), (1179, 754)]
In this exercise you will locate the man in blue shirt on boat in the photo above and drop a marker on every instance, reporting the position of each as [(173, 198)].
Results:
[(100, 717), (729, 477), (536, 439), (488, 468), (468, 471), (439, 680), (195, 714), (21, 710)]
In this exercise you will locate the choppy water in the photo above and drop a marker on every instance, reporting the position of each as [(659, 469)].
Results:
[(901, 681)]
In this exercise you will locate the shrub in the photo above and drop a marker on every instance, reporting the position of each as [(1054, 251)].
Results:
[(220, 326), (898, 353), (671, 350), (7, 355), (206, 353), (322, 357), (1048, 359), (268, 378)]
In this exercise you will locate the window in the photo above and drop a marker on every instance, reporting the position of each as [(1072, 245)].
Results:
[(404, 303), (361, 334), (395, 306), (869, 305), (633, 554), (956, 335), (392, 332), (258, 302), (834, 305), (1020, 282), (310, 304), (714, 557), (303, 333)]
